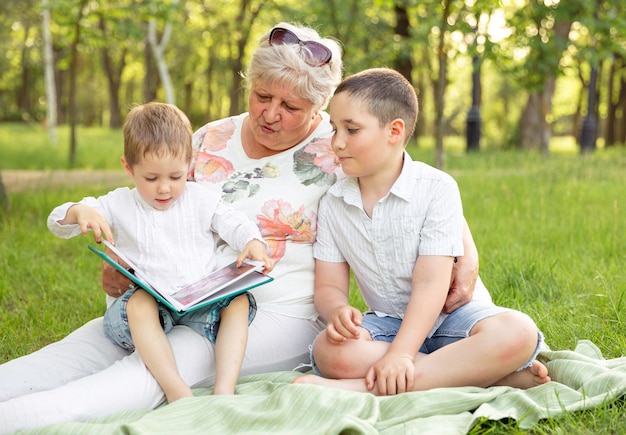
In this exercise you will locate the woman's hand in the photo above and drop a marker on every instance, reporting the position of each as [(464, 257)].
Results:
[(113, 282), (464, 274)]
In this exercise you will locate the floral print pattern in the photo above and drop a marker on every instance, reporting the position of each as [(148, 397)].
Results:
[(314, 164), (280, 223)]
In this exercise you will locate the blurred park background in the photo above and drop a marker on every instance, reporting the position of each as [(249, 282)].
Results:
[(495, 73)]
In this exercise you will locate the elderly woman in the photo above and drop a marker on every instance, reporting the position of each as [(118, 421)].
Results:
[(273, 163)]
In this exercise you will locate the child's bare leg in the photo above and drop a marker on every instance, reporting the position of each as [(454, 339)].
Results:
[(153, 346), (230, 344), (496, 347)]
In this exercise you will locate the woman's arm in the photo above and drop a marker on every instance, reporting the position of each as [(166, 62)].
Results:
[(464, 274), (113, 282)]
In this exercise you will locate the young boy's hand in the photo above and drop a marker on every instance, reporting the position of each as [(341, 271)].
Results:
[(392, 374), (343, 324), (87, 219), (256, 250)]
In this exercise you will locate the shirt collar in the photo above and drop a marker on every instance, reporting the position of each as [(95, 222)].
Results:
[(403, 188)]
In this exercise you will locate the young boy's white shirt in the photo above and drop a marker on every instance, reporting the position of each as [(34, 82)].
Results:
[(173, 247), (421, 215)]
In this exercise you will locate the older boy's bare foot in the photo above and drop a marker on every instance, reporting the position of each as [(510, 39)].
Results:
[(536, 374), (357, 385)]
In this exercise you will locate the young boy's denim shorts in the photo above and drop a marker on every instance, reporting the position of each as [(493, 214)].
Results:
[(205, 321), (456, 326)]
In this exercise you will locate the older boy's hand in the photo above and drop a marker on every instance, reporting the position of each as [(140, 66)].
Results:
[(343, 324), (392, 374)]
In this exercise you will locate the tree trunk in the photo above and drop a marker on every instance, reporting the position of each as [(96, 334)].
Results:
[(403, 63), (441, 87), (151, 80), (620, 131), (158, 50), (23, 96), (73, 109), (616, 103), (114, 79), (534, 128), (51, 92), (4, 198), (236, 65)]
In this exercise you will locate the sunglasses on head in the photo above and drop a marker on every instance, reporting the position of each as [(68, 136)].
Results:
[(314, 53)]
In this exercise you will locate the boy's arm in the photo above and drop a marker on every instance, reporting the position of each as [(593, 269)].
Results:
[(394, 372), (331, 298), (87, 218)]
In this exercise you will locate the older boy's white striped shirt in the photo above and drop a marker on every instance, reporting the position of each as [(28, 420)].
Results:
[(421, 215)]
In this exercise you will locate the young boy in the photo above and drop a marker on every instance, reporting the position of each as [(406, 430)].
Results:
[(398, 225), (165, 225)]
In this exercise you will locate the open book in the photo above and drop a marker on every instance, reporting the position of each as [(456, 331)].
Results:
[(229, 281)]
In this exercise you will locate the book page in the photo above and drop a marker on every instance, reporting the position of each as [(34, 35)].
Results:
[(211, 283)]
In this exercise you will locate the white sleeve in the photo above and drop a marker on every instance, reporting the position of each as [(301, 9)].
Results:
[(59, 213), (234, 227)]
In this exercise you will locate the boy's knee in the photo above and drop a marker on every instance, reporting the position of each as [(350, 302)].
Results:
[(240, 301), (140, 303), (332, 360), (521, 333)]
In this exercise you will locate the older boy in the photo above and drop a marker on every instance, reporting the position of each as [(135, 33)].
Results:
[(398, 225)]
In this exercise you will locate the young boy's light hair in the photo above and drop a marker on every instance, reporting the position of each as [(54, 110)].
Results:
[(158, 129), (387, 94)]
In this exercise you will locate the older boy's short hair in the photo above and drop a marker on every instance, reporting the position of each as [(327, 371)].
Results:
[(157, 128), (387, 94)]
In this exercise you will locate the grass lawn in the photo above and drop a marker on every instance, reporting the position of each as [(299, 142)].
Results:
[(551, 232)]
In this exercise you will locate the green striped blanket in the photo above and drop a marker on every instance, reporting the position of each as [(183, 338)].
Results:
[(582, 379)]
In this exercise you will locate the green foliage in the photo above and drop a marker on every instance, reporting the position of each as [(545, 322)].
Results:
[(212, 42)]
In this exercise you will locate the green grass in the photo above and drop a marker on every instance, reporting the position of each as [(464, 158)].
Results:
[(28, 146), (551, 234)]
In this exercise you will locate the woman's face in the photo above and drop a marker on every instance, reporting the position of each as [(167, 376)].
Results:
[(278, 119)]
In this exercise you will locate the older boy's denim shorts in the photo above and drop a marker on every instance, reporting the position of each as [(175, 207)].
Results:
[(456, 326), (204, 321)]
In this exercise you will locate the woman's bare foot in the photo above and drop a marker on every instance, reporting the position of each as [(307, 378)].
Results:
[(173, 396), (536, 374)]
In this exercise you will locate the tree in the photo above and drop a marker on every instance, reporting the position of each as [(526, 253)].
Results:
[(158, 50), (442, 57), (4, 198), (532, 55), (51, 91), (73, 111)]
